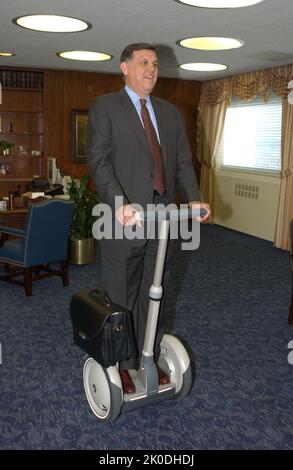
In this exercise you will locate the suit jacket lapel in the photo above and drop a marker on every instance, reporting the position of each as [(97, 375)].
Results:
[(130, 114)]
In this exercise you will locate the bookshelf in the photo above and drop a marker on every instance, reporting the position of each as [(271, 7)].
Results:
[(21, 126)]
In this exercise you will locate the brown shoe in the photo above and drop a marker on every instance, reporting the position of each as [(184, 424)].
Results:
[(163, 376), (127, 382)]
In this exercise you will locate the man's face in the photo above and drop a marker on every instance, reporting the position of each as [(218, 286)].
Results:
[(141, 72)]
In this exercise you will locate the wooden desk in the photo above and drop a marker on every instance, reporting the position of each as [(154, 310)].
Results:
[(15, 217), (12, 218)]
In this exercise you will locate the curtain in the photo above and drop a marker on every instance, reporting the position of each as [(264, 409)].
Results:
[(285, 208), (215, 97), (210, 125), (248, 85)]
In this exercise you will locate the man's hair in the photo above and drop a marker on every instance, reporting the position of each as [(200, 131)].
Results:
[(127, 52)]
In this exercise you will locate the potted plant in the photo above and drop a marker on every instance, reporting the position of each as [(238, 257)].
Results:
[(5, 147), (82, 242)]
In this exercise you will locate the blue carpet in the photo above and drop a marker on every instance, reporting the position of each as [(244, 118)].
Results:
[(227, 301)]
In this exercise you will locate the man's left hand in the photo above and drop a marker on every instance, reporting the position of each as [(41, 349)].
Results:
[(201, 205)]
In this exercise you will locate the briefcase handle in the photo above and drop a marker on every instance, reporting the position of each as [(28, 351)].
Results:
[(105, 297)]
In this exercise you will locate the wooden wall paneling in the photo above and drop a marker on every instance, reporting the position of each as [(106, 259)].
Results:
[(184, 94), (53, 108)]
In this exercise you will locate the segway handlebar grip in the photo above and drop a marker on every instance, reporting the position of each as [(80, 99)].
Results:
[(171, 215)]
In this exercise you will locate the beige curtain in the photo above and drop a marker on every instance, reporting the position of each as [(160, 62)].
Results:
[(285, 209), (212, 123), (211, 118), (215, 97)]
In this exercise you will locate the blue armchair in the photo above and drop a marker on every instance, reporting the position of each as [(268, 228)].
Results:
[(44, 240), (290, 316)]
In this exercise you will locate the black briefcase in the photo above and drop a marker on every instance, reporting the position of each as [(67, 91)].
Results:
[(101, 328)]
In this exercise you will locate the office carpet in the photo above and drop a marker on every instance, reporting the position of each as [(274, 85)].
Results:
[(228, 302)]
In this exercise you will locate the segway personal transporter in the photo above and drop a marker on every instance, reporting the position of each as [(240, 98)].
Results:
[(103, 386)]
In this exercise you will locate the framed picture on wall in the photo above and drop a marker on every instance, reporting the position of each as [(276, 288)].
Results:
[(78, 125)]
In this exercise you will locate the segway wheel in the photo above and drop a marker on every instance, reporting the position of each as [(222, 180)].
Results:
[(175, 360), (103, 390)]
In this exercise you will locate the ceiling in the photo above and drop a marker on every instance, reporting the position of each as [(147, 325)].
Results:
[(266, 29)]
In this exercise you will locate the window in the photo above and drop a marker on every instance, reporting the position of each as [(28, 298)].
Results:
[(251, 137)]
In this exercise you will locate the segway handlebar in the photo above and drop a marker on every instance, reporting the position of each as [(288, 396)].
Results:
[(171, 215)]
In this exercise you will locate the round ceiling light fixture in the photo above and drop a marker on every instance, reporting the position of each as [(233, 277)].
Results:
[(84, 55), (220, 3), (211, 43), (6, 54), (203, 67), (52, 23)]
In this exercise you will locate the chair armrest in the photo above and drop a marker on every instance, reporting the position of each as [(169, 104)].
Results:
[(12, 231)]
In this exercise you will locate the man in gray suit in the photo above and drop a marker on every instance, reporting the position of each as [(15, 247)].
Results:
[(122, 163)]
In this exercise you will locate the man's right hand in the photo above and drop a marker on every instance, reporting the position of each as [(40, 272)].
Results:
[(127, 215)]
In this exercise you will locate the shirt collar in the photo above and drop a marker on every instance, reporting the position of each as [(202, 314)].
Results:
[(134, 96)]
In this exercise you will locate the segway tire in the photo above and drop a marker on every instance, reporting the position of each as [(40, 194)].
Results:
[(174, 360), (103, 390)]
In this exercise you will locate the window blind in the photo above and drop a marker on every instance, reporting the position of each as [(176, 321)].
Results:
[(252, 135)]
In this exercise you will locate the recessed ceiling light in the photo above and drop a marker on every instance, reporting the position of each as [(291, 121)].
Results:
[(211, 43), (6, 54), (220, 3), (52, 23), (84, 55), (203, 67)]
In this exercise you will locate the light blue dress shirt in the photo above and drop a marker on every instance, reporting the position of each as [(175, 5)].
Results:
[(135, 100)]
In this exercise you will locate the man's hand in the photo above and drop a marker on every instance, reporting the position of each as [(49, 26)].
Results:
[(127, 215), (198, 205)]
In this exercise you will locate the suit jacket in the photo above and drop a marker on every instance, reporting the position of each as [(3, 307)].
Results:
[(119, 156)]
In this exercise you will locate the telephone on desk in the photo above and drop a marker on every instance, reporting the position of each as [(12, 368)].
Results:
[(54, 190), (41, 185)]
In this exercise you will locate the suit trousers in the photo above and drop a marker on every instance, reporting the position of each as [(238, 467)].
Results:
[(128, 271)]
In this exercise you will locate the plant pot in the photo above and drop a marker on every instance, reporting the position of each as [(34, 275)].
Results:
[(81, 251)]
